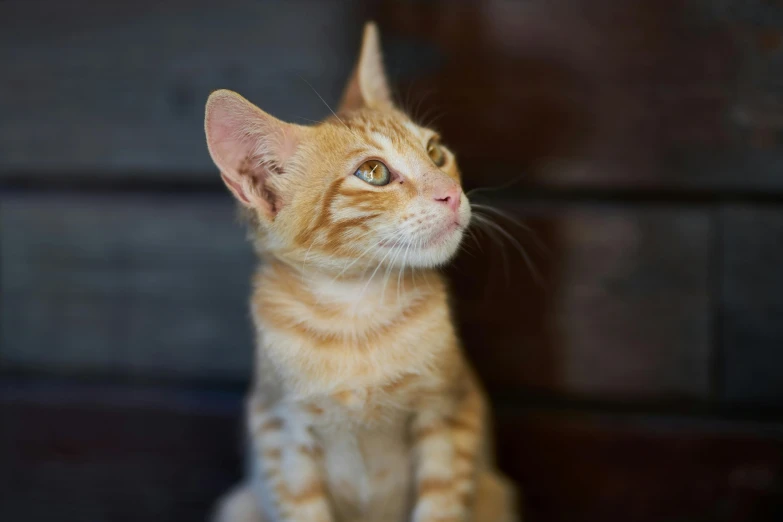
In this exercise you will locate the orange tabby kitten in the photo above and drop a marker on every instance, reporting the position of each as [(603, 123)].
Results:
[(363, 407)]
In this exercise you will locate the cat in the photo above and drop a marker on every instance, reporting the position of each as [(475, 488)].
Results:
[(362, 407)]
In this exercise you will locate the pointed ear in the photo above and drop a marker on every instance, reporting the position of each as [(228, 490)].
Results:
[(249, 147), (368, 86)]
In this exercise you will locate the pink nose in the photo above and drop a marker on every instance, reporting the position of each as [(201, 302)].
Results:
[(449, 197)]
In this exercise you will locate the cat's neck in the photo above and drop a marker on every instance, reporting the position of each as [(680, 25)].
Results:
[(358, 294), (311, 321)]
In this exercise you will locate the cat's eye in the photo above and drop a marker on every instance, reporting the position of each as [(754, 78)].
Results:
[(436, 152), (373, 172)]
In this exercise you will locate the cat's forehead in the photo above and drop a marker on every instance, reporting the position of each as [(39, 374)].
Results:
[(391, 122), (390, 125), (388, 135)]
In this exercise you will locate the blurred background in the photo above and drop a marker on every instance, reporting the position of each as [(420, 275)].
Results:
[(635, 360)]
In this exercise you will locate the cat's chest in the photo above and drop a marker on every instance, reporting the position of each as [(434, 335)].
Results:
[(359, 374), (316, 349), (389, 403), (367, 471)]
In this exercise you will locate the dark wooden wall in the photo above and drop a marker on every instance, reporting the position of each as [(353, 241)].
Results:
[(635, 360)]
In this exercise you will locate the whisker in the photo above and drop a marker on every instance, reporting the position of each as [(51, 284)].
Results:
[(506, 185), (351, 262), (516, 222), (402, 272), (397, 249), (415, 114), (519, 247), (481, 220), (327, 105), (405, 104), (413, 273), (463, 246), (306, 119), (431, 117), (361, 294), (500, 213), (364, 289), (304, 261), (472, 236), (419, 244)]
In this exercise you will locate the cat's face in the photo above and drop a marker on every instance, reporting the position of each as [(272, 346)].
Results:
[(366, 188), (373, 184)]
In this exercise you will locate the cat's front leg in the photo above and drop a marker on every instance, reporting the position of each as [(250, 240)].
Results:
[(446, 444), (437, 495), (468, 425), (289, 457)]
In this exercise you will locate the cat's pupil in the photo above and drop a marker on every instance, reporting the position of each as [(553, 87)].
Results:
[(373, 172), (436, 153)]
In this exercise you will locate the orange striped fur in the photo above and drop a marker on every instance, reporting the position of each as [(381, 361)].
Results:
[(363, 407)]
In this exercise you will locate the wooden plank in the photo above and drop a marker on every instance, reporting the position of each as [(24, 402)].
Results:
[(130, 285), (157, 286), (77, 460), (621, 308), (130, 457), (638, 94), (118, 88), (575, 467), (752, 304)]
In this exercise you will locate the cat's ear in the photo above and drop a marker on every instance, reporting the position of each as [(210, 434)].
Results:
[(368, 86), (248, 146)]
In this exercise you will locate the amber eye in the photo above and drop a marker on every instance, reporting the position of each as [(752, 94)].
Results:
[(373, 172), (436, 152)]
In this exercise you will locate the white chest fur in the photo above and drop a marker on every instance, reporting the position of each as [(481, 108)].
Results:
[(368, 471)]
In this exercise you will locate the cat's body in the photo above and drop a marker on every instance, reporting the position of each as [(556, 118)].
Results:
[(363, 407), (358, 396)]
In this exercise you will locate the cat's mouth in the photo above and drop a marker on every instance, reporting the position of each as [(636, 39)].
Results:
[(437, 239), (442, 236)]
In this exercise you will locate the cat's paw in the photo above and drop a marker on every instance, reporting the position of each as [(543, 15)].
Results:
[(439, 507)]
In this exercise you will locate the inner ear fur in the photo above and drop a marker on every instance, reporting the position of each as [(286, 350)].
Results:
[(249, 147)]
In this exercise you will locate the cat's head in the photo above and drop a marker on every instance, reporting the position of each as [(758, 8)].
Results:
[(366, 187)]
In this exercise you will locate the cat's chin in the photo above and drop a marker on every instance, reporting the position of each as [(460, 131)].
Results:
[(438, 251)]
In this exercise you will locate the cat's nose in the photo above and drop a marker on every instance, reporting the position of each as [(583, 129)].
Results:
[(449, 196)]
